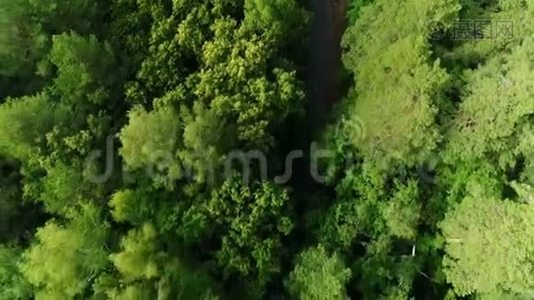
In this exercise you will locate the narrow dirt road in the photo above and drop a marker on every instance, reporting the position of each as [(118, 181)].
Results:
[(323, 80), (324, 74)]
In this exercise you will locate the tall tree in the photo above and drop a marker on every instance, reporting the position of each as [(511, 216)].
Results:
[(249, 225), (500, 232), (318, 275), (65, 259), (399, 86)]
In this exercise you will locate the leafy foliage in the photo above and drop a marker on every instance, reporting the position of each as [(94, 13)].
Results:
[(500, 232), (22, 124), (318, 276), (149, 137), (487, 124), (398, 87), (250, 223), (66, 258), (14, 285), (134, 136)]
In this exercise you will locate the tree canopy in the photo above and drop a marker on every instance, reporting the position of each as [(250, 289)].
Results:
[(172, 149)]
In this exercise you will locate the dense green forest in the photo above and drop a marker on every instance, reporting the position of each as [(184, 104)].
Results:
[(163, 149)]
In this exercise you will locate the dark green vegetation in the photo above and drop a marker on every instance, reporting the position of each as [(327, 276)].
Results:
[(118, 118)]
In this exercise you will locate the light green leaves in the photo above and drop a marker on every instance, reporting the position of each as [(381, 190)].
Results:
[(398, 86), (137, 259), (402, 212), (489, 246), (318, 275), (497, 108), (84, 66), (150, 137), (23, 122), (66, 258), (281, 19)]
